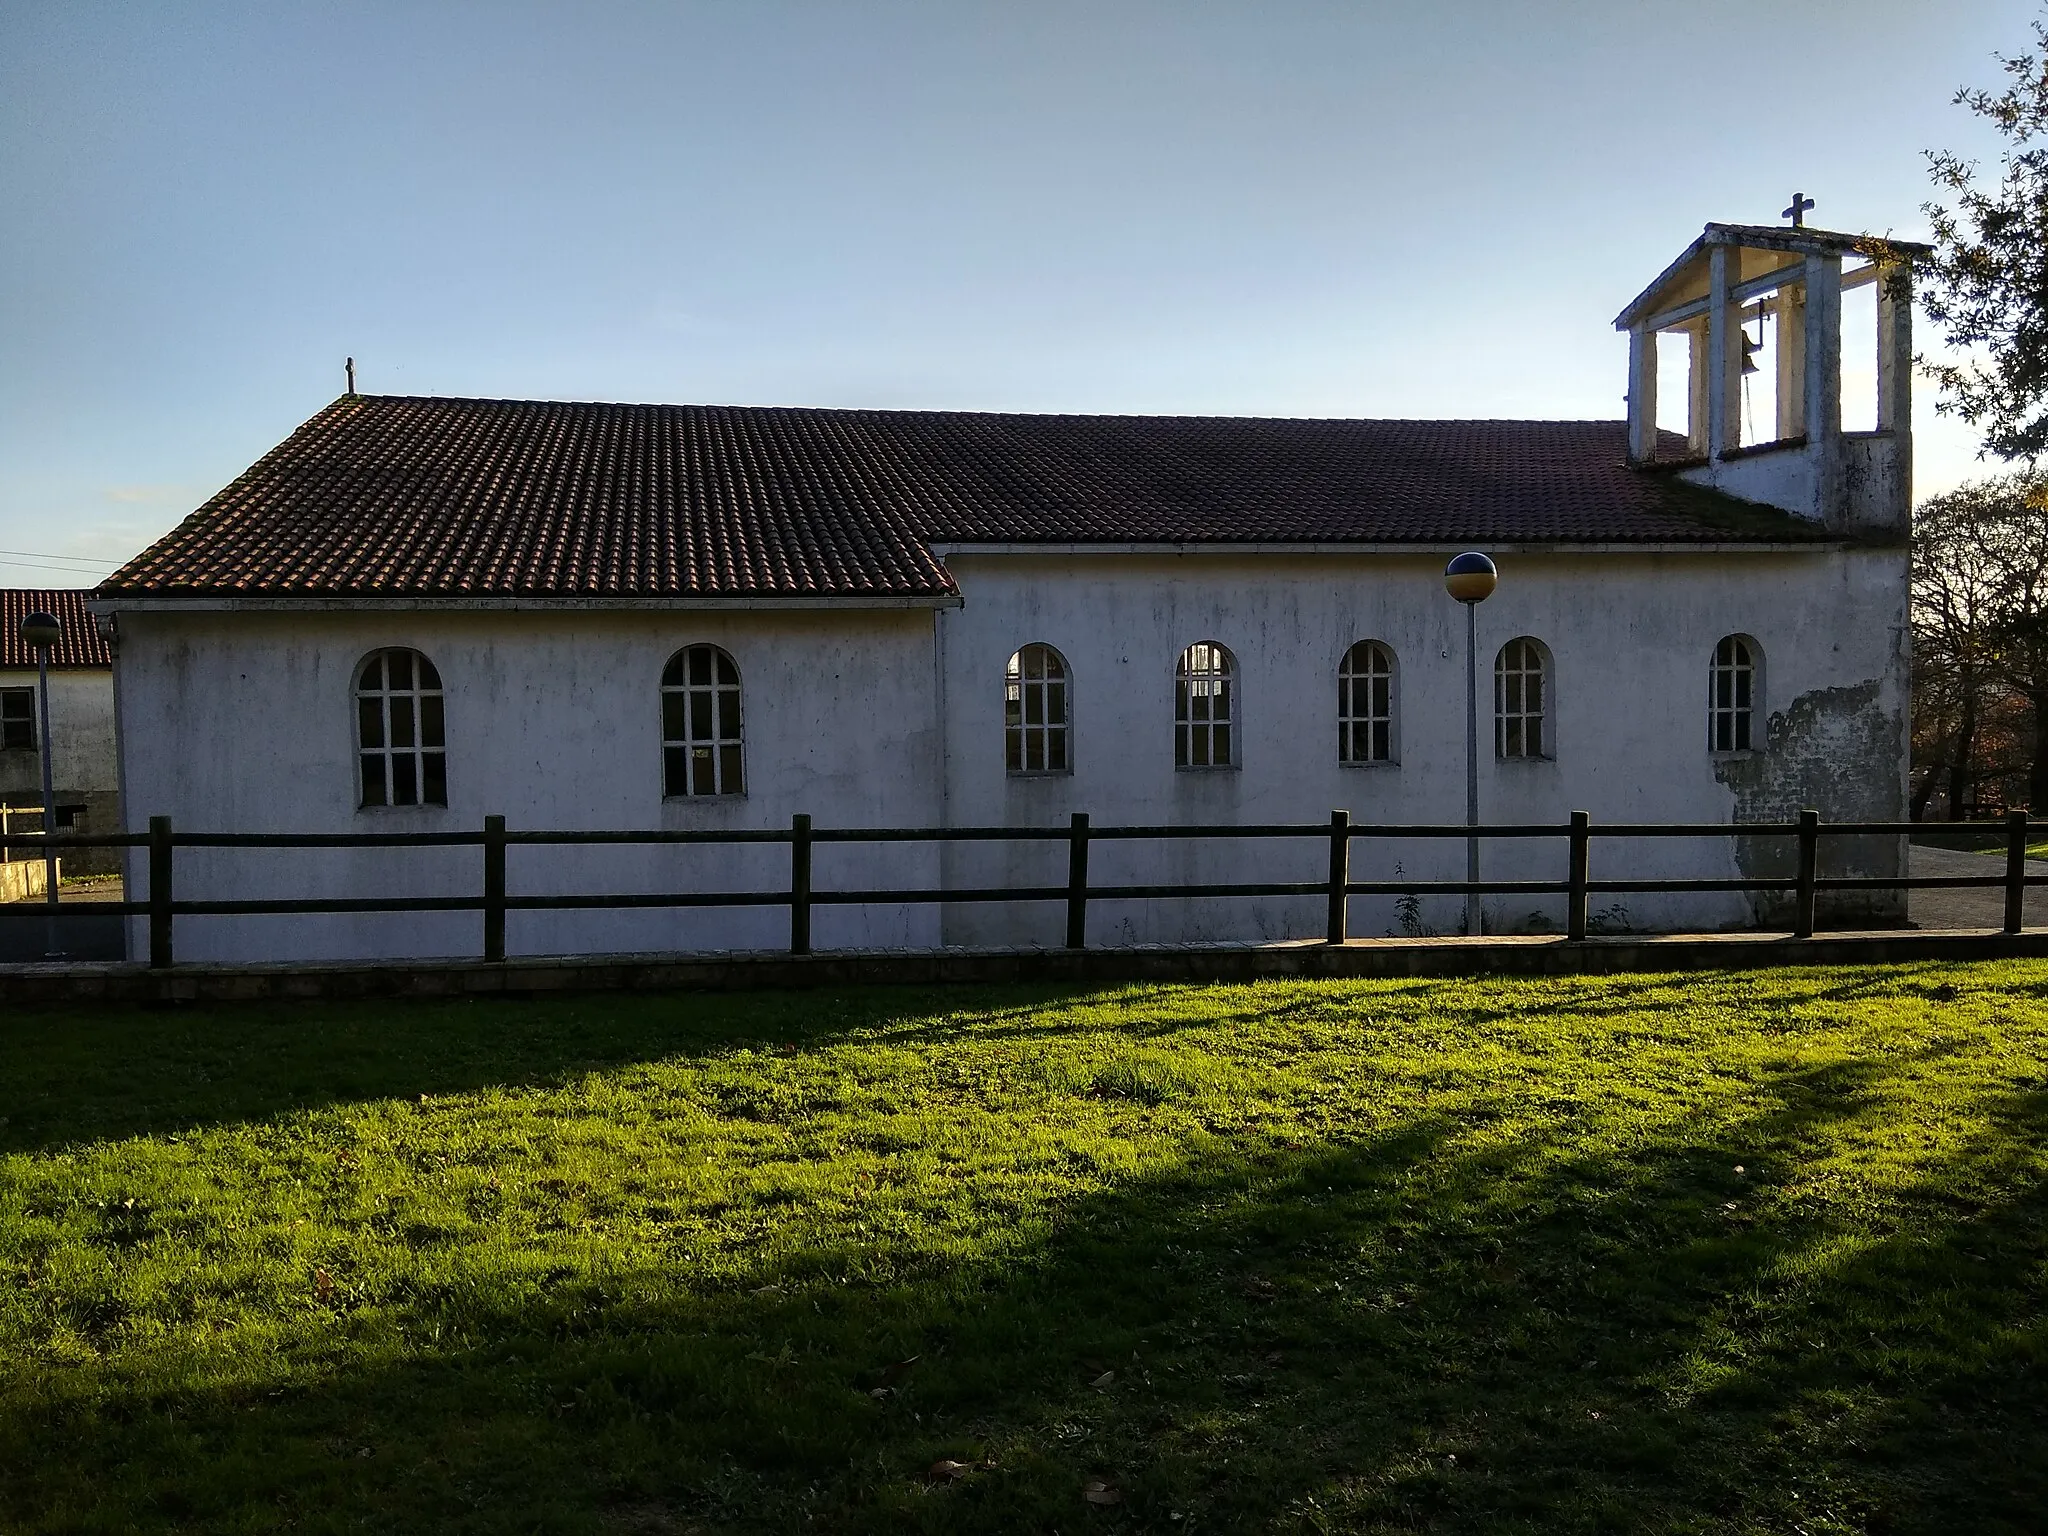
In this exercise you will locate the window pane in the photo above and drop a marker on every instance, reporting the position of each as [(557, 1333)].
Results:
[(1181, 746), (672, 721), (700, 715), (675, 775), (729, 781), (405, 789), (401, 720), (700, 772), (1056, 751), (1536, 736), (1034, 751), (675, 674), (700, 664), (1034, 705), (1056, 703), (1013, 750), (728, 674), (1220, 750), (373, 779), (434, 765), (429, 678), (1382, 744), (398, 665), (370, 722), (1742, 732), (729, 714), (431, 734)]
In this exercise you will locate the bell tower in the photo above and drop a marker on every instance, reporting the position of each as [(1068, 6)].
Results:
[(1800, 460)]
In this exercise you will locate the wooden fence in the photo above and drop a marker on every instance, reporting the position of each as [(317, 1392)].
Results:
[(162, 907)]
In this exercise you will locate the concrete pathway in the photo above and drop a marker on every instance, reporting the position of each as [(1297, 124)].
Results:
[(1980, 908)]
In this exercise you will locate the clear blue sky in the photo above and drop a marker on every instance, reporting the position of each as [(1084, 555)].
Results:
[(1385, 209)]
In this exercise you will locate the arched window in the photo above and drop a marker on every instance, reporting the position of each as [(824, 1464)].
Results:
[(401, 739), (1518, 700), (1035, 712), (1365, 704), (1731, 695), (700, 724), (1204, 707)]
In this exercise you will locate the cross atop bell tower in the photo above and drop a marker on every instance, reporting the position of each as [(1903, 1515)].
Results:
[(1800, 459)]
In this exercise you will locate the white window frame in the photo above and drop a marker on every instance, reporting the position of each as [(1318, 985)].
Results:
[(1037, 682), (417, 711), (1205, 702), (1523, 699), (1367, 675), (703, 726), (1734, 679)]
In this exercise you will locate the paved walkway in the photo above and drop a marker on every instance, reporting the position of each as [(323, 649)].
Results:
[(1980, 908)]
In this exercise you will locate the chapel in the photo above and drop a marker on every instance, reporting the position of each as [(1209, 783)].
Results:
[(419, 611)]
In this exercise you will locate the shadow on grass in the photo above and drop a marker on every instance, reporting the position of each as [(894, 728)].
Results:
[(71, 1075), (1460, 1323)]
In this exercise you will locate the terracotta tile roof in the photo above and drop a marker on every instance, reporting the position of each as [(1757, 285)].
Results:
[(392, 495), (80, 644)]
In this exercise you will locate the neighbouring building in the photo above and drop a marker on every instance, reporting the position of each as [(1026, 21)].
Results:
[(85, 766), (415, 612)]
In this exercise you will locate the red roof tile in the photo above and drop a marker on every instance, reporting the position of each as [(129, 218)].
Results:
[(390, 495), (79, 645)]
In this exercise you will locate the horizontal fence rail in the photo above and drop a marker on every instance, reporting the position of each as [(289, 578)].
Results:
[(162, 906)]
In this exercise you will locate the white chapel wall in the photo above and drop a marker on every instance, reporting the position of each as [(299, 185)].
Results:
[(1630, 638), (244, 723)]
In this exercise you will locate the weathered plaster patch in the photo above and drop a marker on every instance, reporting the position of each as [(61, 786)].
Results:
[(1836, 751)]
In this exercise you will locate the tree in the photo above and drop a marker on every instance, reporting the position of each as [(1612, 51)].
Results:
[(1980, 626), (1986, 285), (1955, 582)]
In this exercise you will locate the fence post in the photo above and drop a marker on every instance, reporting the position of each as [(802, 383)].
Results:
[(159, 893), (1809, 862), (2015, 870), (1077, 881), (800, 884), (494, 888), (1338, 924), (1580, 871)]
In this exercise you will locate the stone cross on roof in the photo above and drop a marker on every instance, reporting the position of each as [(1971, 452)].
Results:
[(1797, 212)]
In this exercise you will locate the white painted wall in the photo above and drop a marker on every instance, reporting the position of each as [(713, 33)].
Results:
[(83, 759), (243, 722), (1630, 635)]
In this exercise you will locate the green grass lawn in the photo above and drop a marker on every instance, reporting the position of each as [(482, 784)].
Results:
[(1704, 1253)]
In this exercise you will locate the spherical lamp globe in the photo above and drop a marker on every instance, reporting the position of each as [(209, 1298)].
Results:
[(1470, 577), (40, 631)]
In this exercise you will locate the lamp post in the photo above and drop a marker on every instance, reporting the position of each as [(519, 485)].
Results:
[(1470, 578), (40, 632)]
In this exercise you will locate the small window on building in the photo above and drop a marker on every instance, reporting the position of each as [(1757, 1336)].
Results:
[(400, 737), (1035, 712), (701, 751), (1365, 704), (1518, 700), (17, 719), (1731, 696), (1205, 707)]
